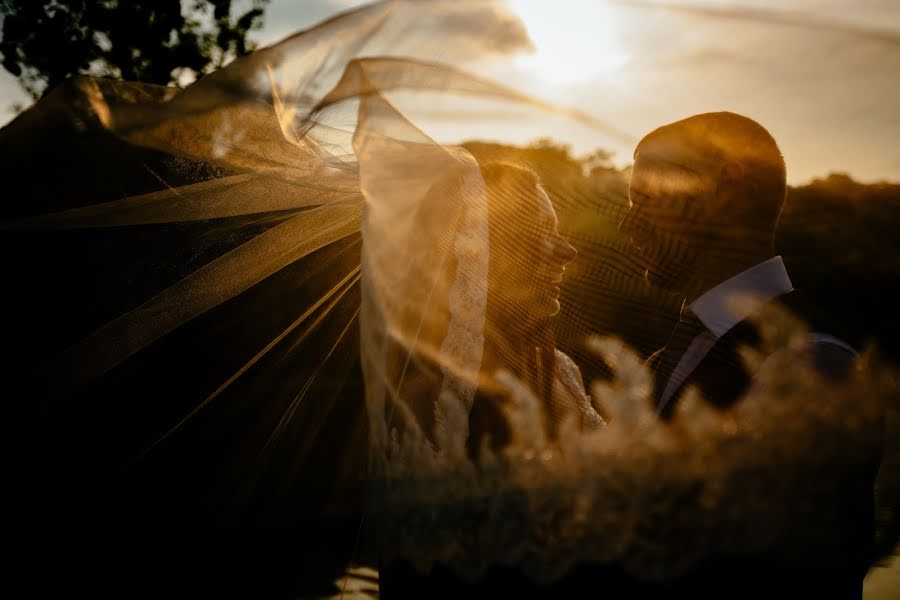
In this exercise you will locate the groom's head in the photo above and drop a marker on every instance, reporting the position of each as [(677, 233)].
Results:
[(706, 193)]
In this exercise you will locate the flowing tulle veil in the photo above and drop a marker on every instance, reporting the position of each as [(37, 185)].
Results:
[(425, 208), (199, 292)]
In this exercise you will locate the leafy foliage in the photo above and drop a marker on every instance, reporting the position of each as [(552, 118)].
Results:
[(151, 41)]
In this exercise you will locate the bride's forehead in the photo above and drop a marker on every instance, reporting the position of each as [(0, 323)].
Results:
[(530, 206), (545, 206)]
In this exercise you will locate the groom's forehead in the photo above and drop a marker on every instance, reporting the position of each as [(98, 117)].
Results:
[(668, 173)]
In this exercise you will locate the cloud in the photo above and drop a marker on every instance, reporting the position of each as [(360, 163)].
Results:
[(451, 31), (456, 30), (490, 27), (806, 19)]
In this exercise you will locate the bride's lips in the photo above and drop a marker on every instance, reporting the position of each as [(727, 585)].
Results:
[(639, 253), (555, 283), (550, 279), (640, 249)]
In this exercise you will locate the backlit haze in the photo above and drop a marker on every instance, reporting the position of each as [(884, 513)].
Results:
[(822, 75)]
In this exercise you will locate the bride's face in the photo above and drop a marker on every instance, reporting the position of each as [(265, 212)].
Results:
[(530, 263)]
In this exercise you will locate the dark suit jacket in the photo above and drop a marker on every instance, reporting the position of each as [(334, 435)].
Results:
[(721, 376), (722, 379)]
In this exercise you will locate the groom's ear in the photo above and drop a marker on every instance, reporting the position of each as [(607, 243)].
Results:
[(728, 185), (733, 172)]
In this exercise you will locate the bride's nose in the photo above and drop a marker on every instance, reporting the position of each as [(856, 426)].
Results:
[(565, 251)]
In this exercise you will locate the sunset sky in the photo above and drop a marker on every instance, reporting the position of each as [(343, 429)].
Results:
[(822, 75)]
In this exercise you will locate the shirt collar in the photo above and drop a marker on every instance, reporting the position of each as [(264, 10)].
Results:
[(716, 308)]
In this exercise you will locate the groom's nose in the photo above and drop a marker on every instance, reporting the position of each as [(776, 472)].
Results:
[(627, 224), (636, 222)]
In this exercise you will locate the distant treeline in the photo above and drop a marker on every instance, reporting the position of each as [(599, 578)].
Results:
[(838, 238)]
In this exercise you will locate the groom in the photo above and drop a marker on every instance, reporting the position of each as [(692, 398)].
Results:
[(706, 194)]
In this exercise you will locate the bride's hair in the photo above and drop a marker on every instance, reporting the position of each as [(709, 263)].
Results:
[(514, 340)]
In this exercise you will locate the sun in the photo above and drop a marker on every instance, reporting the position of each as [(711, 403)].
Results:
[(575, 40)]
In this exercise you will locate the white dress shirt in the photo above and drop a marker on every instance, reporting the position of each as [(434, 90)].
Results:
[(723, 307)]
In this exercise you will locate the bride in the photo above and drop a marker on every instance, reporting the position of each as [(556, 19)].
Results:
[(528, 259), (467, 287), (462, 267)]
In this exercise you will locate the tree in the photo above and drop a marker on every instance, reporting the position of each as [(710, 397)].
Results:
[(152, 41), (599, 160)]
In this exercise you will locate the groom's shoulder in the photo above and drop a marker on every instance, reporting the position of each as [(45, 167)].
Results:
[(827, 345), (830, 356), (814, 313)]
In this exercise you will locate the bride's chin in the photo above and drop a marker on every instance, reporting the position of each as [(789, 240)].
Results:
[(548, 307), (538, 306)]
